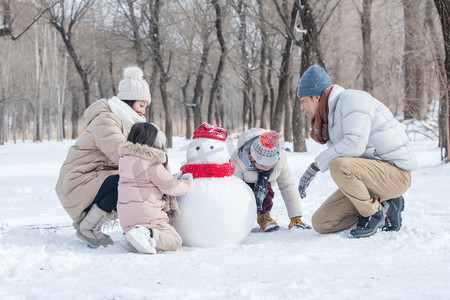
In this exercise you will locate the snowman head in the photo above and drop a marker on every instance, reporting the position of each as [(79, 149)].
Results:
[(208, 146)]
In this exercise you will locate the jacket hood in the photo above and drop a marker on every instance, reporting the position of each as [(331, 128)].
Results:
[(95, 109), (142, 151)]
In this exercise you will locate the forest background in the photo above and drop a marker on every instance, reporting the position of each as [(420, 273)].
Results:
[(232, 63)]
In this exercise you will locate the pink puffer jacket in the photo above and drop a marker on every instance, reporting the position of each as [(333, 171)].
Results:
[(143, 182)]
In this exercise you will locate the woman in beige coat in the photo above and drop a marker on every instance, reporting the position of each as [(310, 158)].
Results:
[(88, 179)]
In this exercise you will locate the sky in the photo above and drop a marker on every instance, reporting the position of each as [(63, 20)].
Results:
[(41, 258)]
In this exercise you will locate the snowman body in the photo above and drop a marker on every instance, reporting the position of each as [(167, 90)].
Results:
[(219, 209)]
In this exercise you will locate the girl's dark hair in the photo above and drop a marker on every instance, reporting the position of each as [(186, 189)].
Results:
[(129, 102), (143, 133)]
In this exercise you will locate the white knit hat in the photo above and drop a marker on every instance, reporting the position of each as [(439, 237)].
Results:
[(133, 86)]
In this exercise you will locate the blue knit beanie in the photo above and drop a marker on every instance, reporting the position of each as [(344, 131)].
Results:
[(313, 82)]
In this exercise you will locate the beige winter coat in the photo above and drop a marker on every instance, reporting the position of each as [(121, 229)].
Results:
[(281, 174), (92, 158)]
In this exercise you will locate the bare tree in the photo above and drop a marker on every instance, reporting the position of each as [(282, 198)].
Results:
[(63, 19), (265, 118), (289, 20), (366, 30), (443, 8), (223, 52), (415, 103), (153, 17), (7, 28), (311, 54), (247, 112), (197, 97)]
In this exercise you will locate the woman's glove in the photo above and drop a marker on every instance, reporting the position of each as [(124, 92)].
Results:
[(306, 179), (178, 175), (187, 177)]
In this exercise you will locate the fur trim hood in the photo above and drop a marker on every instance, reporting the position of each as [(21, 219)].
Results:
[(143, 151)]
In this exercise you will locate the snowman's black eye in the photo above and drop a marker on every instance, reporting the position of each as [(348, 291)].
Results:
[(197, 148), (211, 147)]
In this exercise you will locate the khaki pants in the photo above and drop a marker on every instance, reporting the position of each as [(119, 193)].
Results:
[(166, 237), (361, 183)]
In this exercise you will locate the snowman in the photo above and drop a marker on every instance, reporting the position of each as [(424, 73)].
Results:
[(219, 209)]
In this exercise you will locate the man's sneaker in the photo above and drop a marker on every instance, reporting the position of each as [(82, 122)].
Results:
[(368, 226), (393, 209), (266, 223), (141, 238)]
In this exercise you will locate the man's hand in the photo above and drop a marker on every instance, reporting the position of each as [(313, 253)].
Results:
[(306, 179)]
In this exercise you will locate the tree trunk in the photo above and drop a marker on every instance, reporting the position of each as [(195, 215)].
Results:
[(271, 88), (283, 85), (38, 100), (443, 8), (136, 40), (413, 62), (265, 117), (247, 112), (156, 46), (198, 89), (289, 111), (61, 91), (223, 50), (187, 107), (75, 114), (366, 30), (311, 53)]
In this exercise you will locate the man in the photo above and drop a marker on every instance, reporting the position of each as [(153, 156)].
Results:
[(261, 163), (368, 157)]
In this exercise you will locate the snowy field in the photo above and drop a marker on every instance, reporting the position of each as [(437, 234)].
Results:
[(41, 258)]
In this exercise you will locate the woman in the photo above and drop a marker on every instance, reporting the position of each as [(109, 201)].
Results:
[(87, 183)]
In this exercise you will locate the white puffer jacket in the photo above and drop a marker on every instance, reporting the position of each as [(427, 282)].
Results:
[(361, 126)]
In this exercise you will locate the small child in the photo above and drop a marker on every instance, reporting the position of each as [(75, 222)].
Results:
[(147, 190), (262, 163)]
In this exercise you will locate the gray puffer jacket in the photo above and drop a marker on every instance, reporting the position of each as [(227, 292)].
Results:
[(361, 126)]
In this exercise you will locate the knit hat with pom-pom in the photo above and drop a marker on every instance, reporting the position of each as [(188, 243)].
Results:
[(133, 86), (265, 148)]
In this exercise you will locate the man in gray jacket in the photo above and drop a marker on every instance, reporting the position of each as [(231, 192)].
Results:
[(368, 157)]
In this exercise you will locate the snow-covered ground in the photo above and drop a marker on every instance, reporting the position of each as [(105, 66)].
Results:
[(41, 258)]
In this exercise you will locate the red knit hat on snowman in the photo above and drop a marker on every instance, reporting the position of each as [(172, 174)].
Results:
[(209, 131)]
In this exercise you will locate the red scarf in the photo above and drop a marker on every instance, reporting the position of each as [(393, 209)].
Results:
[(209, 170)]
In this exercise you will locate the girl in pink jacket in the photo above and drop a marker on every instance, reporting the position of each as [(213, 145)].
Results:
[(147, 190)]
